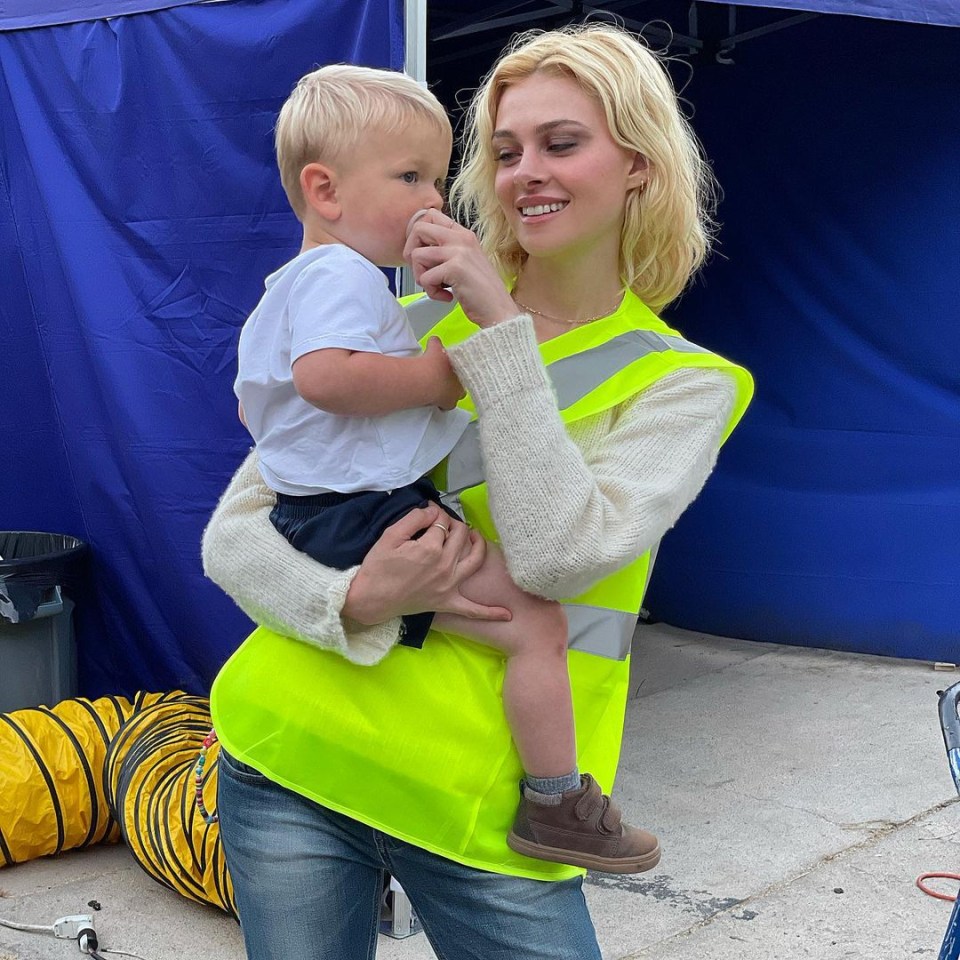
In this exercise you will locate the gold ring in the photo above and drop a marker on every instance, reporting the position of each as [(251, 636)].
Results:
[(445, 530)]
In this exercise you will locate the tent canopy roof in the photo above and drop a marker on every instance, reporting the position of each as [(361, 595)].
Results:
[(934, 12), (22, 14)]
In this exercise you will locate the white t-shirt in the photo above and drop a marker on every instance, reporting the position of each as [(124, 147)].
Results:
[(326, 297)]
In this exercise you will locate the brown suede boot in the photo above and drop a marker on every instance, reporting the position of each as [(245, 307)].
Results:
[(584, 830)]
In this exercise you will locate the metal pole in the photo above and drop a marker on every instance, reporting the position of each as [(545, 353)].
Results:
[(415, 64), (415, 39), (401, 921)]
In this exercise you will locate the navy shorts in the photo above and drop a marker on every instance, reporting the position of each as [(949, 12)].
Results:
[(338, 529)]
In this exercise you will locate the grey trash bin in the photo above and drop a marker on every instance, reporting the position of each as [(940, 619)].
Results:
[(38, 658)]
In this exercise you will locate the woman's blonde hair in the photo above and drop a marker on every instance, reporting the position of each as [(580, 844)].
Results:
[(331, 109), (667, 229)]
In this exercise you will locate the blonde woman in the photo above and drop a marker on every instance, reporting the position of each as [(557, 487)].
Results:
[(346, 755)]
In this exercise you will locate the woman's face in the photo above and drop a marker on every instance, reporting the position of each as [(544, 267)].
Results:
[(561, 179)]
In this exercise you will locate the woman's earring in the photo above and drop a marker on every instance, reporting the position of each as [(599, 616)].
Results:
[(641, 188)]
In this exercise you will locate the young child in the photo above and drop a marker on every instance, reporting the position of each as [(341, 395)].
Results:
[(349, 415)]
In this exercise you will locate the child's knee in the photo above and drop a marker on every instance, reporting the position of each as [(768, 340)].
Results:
[(545, 626)]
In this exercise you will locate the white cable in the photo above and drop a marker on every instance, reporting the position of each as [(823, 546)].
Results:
[(26, 927), (65, 928), (86, 925)]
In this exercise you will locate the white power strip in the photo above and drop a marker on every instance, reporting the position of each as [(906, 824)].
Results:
[(77, 927)]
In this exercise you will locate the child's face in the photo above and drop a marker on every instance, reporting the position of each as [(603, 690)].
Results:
[(384, 181)]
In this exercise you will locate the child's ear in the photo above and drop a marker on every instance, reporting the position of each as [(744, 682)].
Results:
[(319, 185)]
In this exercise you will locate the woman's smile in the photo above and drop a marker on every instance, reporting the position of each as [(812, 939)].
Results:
[(536, 209)]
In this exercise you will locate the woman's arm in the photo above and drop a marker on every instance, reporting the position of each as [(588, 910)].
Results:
[(352, 612), (571, 511), (274, 583)]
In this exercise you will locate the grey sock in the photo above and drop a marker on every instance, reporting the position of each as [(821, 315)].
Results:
[(547, 790)]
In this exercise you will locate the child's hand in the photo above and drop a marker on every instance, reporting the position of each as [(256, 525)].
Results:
[(449, 388)]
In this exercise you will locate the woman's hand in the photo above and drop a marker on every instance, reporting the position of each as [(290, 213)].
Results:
[(402, 575), (448, 263)]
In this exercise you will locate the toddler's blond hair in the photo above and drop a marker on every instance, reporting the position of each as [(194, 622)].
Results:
[(331, 109)]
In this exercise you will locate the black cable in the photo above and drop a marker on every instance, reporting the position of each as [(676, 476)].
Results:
[(120, 953)]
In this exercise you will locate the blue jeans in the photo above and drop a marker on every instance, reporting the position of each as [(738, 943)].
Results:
[(308, 883)]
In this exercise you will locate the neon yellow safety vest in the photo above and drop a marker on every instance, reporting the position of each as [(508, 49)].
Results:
[(417, 746)]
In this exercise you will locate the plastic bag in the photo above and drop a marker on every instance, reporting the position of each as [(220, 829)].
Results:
[(33, 567)]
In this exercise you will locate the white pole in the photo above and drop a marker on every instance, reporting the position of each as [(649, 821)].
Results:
[(415, 39), (415, 64)]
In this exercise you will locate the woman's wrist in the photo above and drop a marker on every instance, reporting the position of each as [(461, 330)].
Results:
[(499, 361), (364, 604), (502, 310)]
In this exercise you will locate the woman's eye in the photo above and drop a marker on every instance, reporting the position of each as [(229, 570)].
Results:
[(410, 176), (561, 146), (506, 156)]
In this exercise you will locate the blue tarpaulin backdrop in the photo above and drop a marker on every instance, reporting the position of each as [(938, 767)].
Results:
[(16, 14), (834, 519), (140, 211)]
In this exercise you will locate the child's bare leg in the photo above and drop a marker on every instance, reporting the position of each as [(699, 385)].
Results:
[(536, 686), (562, 816)]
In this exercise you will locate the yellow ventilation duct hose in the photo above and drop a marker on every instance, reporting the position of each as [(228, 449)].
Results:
[(87, 771), (51, 776), (150, 779)]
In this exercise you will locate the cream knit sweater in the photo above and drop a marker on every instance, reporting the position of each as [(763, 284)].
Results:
[(570, 505)]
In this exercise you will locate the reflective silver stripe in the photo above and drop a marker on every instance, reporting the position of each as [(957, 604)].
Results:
[(600, 631), (573, 378), (424, 314), (464, 462)]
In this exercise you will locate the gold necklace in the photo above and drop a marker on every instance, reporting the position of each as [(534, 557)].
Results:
[(566, 323)]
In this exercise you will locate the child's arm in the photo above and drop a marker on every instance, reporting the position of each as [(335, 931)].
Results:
[(357, 384)]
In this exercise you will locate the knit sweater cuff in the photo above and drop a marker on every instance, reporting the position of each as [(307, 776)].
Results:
[(499, 361), (363, 645), (275, 584)]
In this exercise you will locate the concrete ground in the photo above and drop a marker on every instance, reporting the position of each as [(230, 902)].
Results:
[(797, 793)]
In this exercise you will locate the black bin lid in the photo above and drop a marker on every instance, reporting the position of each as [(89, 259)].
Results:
[(34, 551)]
